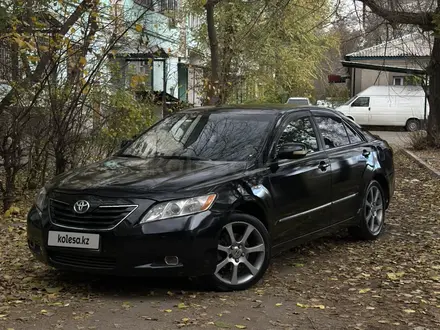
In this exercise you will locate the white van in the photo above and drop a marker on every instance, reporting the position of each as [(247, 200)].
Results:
[(388, 106)]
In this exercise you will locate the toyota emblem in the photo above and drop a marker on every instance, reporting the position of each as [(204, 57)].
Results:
[(81, 206)]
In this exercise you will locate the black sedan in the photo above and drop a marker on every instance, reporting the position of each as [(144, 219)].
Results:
[(214, 193)]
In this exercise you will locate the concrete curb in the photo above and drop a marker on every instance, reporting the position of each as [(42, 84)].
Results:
[(434, 173)]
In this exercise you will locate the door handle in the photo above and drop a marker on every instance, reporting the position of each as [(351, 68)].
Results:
[(366, 153), (323, 165)]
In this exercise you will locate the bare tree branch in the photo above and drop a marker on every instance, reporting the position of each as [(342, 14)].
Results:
[(422, 19)]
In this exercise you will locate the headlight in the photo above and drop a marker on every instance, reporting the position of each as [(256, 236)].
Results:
[(40, 201), (179, 208)]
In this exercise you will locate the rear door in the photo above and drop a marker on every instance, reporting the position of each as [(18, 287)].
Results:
[(301, 188), (348, 154), (360, 110)]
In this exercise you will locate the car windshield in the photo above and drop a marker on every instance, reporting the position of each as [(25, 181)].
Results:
[(298, 101), (222, 136)]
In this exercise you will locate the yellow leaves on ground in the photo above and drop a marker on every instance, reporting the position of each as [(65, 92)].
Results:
[(138, 27), (239, 326), (279, 304), (53, 290), (182, 306), (395, 276), (364, 290), (13, 210), (409, 311), (168, 310), (126, 305), (310, 306)]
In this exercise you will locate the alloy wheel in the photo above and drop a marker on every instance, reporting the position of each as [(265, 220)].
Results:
[(374, 210), (240, 253)]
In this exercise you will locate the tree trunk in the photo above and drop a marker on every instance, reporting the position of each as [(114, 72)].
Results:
[(213, 45), (434, 96)]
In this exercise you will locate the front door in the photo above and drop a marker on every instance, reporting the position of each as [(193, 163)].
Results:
[(301, 188), (360, 110), (348, 155)]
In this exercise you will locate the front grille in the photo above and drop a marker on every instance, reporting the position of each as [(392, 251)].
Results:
[(84, 261), (100, 218)]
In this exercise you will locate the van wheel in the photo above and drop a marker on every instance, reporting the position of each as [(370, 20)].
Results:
[(412, 125)]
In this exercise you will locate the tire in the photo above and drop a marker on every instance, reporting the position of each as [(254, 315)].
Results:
[(234, 256), (412, 125), (372, 219)]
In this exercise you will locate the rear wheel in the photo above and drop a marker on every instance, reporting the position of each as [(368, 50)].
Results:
[(412, 125), (372, 218), (243, 253)]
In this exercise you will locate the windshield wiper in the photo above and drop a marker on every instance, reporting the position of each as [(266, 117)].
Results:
[(130, 156), (182, 157)]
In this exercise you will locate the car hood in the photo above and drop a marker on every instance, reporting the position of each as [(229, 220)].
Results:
[(146, 175)]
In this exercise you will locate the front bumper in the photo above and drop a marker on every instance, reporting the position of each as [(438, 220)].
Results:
[(135, 250)]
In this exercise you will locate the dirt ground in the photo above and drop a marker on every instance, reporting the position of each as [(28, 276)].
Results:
[(431, 157), (332, 283)]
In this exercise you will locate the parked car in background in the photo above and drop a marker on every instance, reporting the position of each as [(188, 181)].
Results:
[(214, 193), (388, 106), (324, 104), (298, 101)]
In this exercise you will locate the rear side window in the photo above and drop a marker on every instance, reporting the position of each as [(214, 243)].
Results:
[(333, 131), (361, 102)]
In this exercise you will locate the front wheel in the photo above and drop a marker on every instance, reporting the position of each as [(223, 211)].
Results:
[(372, 217), (243, 253)]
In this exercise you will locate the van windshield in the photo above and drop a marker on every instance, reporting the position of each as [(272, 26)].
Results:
[(350, 100)]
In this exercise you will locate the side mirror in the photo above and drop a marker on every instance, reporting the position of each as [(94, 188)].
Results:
[(125, 143), (292, 151)]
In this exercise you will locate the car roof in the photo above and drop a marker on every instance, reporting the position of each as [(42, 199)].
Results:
[(254, 109)]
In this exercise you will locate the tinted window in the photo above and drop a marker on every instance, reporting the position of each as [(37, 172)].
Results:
[(353, 135), (361, 102), (205, 136), (333, 131), (301, 131)]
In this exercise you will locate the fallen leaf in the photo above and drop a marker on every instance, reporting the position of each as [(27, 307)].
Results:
[(395, 276), (409, 311), (54, 290), (364, 290), (279, 304), (223, 325), (168, 310), (126, 305), (239, 326), (182, 306)]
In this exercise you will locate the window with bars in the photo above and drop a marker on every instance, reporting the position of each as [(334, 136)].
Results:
[(168, 5), (5, 62)]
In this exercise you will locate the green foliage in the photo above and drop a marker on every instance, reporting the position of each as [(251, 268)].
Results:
[(269, 50)]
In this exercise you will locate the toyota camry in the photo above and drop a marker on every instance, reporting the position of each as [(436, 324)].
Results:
[(214, 193)]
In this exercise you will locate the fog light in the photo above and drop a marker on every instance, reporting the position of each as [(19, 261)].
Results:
[(172, 261)]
